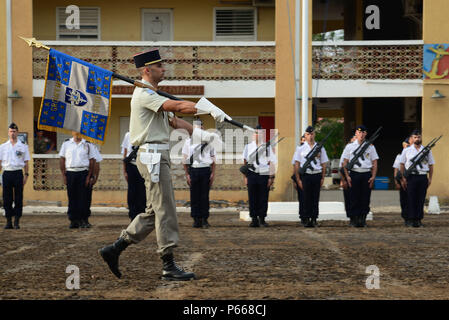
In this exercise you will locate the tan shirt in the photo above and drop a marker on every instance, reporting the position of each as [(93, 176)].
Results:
[(147, 123)]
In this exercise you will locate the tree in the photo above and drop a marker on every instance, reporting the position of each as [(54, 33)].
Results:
[(335, 143)]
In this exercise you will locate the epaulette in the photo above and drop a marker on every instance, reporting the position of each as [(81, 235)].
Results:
[(67, 139)]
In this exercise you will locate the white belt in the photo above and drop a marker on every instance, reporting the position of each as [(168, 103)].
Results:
[(204, 165), (308, 171), (12, 168), (361, 170), (420, 173), (77, 169), (155, 146)]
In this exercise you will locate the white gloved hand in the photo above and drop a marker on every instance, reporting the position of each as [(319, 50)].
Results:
[(204, 106)]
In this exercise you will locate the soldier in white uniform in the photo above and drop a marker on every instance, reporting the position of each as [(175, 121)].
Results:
[(418, 181), (151, 116), (260, 177), (77, 163), (361, 178), (199, 166), (398, 185), (14, 157), (136, 194), (93, 180), (311, 181)]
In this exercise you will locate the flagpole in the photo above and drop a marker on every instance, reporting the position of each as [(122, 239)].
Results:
[(32, 42)]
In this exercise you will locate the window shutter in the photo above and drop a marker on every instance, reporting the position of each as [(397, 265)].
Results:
[(89, 25), (235, 24)]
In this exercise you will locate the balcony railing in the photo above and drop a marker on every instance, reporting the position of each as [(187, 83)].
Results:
[(182, 60), (345, 60), (358, 60)]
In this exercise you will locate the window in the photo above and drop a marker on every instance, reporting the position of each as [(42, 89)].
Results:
[(89, 24), (235, 24)]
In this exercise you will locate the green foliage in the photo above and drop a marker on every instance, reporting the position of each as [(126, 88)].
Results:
[(335, 143)]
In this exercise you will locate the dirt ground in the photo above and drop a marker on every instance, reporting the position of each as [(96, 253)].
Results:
[(231, 260)]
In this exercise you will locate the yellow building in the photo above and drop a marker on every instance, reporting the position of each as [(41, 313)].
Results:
[(239, 55)]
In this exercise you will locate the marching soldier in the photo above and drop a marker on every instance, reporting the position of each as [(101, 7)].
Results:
[(14, 157), (77, 166), (93, 180), (136, 195), (151, 116), (260, 177), (199, 166), (398, 185), (361, 178), (295, 184), (418, 181), (312, 180)]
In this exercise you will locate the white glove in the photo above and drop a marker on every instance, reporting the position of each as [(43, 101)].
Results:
[(204, 106)]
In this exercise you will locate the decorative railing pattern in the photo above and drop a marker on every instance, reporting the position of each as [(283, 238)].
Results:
[(360, 62), (193, 62), (334, 61)]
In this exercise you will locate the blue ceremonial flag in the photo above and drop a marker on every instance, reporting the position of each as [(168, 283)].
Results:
[(77, 97)]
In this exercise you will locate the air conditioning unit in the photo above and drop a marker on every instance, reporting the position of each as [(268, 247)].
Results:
[(263, 3)]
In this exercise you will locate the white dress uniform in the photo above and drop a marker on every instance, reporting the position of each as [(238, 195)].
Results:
[(77, 159), (200, 171), (13, 159), (360, 191), (311, 180), (258, 175), (417, 182), (136, 193)]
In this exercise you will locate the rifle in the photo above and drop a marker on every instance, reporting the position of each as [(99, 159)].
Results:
[(132, 156), (249, 165), (313, 153), (360, 151), (416, 160)]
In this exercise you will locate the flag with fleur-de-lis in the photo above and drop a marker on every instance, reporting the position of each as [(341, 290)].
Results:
[(77, 97)]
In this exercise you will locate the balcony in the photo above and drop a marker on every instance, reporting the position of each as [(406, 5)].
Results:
[(185, 61)]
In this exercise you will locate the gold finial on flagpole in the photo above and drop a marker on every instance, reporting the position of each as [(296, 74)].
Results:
[(32, 42)]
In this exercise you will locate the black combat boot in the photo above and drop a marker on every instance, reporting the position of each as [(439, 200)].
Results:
[(171, 271), (111, 253), (8, 223), (309, 223), (262, 222), (303, 221), (74, 224), (85, 224), (254, 223), (358, 221), (351, 222), (415, 223), (314, 222), (16, 222), (197, 223), (205, 224)]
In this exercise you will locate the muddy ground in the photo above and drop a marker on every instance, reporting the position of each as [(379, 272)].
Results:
[(231, 261)]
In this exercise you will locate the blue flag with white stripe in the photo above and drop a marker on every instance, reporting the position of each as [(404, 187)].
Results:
[(77, 97)]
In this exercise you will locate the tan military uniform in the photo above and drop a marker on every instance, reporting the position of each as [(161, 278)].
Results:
[(149, 124)]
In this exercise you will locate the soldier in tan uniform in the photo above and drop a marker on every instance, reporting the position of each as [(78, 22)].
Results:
[(151, 116)]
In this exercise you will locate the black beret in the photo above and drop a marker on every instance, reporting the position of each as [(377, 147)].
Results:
[(310, 129), (416, 132), (146, 58), (258, 127), (361, 128), (13, 126)]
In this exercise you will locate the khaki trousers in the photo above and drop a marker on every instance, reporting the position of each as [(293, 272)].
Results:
[(160, 212)]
